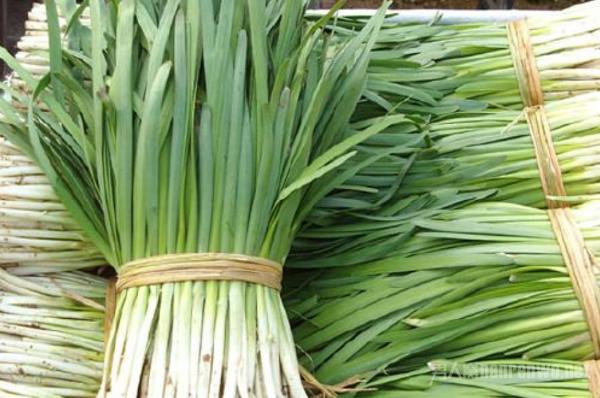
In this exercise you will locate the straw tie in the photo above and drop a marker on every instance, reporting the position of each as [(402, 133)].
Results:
[(199, 267), (578, 260), (524, 63)]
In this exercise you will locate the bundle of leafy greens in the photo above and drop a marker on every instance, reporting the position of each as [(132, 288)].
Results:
[(474, 61), (483, 281)]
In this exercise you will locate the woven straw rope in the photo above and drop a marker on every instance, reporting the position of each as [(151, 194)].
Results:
[(199, 267), (578, 260)]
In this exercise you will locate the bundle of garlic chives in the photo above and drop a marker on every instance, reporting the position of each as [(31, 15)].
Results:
[(498, 146), (566, 46), (472, 156), (51, 338), (474, 62), (484, 281)]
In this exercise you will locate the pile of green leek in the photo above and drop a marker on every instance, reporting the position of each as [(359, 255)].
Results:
[(429, 269), (452, 257)]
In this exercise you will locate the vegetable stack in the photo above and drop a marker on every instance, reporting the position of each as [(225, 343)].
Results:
[(51, 314), (423, 275), (208, 132), (193, 142)]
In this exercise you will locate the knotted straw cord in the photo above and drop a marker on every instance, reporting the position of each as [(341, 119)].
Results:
[(579, 261), (199, 267)]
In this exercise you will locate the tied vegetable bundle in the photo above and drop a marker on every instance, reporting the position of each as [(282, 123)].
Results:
[(487, 280), (203, 141), (481, 57), (434, 69)]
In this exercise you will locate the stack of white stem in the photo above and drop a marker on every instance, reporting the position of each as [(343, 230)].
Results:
[(51, 314)]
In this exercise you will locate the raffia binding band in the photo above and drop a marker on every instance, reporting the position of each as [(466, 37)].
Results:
[(523, 58), (199, 267), (547, 160), (580, 264), (578, 260), (592, 370)]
